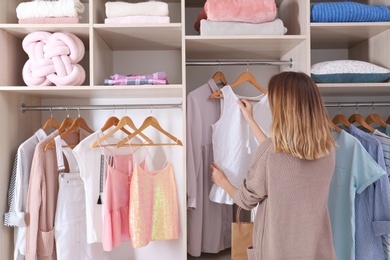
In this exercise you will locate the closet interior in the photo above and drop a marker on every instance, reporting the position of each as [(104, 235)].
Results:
[(189, 61)]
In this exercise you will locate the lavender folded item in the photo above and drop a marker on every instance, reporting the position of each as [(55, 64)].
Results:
[(250, 11), (121, 9), (53, 58), (276, 27), (157, 78), (137, 19)]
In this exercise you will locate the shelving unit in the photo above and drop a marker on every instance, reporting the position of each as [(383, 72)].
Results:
[(357, 41)]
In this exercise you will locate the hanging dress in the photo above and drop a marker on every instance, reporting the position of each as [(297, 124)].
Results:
[(70, 219), (233, 140), (154, 213), (116, 201)]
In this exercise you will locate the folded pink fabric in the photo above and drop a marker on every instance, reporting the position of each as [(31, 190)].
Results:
[(137, 19), (49, 20), (250, 11), (53, 58)]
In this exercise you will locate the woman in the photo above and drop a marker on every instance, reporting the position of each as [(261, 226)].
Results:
[(290, 174)]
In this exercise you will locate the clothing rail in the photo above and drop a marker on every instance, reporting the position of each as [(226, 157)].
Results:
[(240, 62), (358, 104), (24, 108)]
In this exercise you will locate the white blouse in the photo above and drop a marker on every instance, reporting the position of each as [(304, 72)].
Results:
[(234, 141)]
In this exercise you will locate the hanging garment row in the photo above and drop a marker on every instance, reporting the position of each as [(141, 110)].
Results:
[(359, 183), (360, 206), (86, 190), (214, 126)]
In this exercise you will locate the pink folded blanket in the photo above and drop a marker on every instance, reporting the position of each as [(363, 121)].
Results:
[(53, 59), (49, 20), (250, 11)]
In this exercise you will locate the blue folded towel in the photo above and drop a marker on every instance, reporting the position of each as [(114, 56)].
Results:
[(348, 12)]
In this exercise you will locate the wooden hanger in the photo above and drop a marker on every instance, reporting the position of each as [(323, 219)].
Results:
[(113, 121), (67, 122), (375, 118), (51, 123), (75, 126), (244, 77), (341, 119), (361, 121), (150, 121), (78, 123), (219, 77), (125, 121), (388, 120)]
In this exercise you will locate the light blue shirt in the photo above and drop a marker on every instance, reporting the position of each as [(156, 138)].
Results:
[(372, 206), (354, 171)]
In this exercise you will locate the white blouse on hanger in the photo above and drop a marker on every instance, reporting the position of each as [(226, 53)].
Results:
[(233, 140)]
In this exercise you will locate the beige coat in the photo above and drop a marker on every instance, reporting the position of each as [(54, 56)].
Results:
[(292, 221)]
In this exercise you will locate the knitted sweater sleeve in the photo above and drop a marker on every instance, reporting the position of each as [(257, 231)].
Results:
[(253, 188)]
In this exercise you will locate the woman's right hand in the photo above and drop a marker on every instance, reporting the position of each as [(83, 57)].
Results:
[(247, 112), (246, 109)]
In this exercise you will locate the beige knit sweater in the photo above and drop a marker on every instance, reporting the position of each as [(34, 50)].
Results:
[(292, 221)]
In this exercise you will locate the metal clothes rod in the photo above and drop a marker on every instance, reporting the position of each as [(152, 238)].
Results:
[(235, 63), (25, 108), (357, 104)]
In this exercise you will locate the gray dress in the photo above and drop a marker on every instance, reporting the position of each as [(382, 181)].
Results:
[(208, 223)]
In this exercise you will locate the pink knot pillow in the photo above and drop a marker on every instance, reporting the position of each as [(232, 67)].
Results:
[(53, 59)]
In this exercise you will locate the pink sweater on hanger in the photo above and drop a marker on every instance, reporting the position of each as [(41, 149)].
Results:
[(42, 200)]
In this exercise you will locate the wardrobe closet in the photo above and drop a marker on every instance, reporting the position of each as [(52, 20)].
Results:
[(144, 49)]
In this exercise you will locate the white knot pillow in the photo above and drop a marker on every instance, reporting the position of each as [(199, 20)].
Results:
[(348, 71), (53, 59)]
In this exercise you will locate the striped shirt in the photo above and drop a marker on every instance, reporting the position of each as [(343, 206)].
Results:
[(17, 191), (372, 205), (385, 141)]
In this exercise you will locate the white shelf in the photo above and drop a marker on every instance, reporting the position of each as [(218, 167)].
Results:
[(343, 35), (241, 47), (21, 30), (141, 37), (139, 91), (351, 89)]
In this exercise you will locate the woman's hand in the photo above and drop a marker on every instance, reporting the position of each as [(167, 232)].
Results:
[(219, 178), (247, 112), (246, 109)]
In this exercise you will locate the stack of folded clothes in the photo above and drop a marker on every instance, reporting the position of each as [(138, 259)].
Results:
[(49, 12), (239, 17), (130, 13), (332, 12), (158, 78)]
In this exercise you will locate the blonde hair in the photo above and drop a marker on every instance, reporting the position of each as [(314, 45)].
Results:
[(300, 125)]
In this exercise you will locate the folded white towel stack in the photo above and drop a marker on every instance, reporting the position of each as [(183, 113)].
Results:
[(60, 8), (119, 9)]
